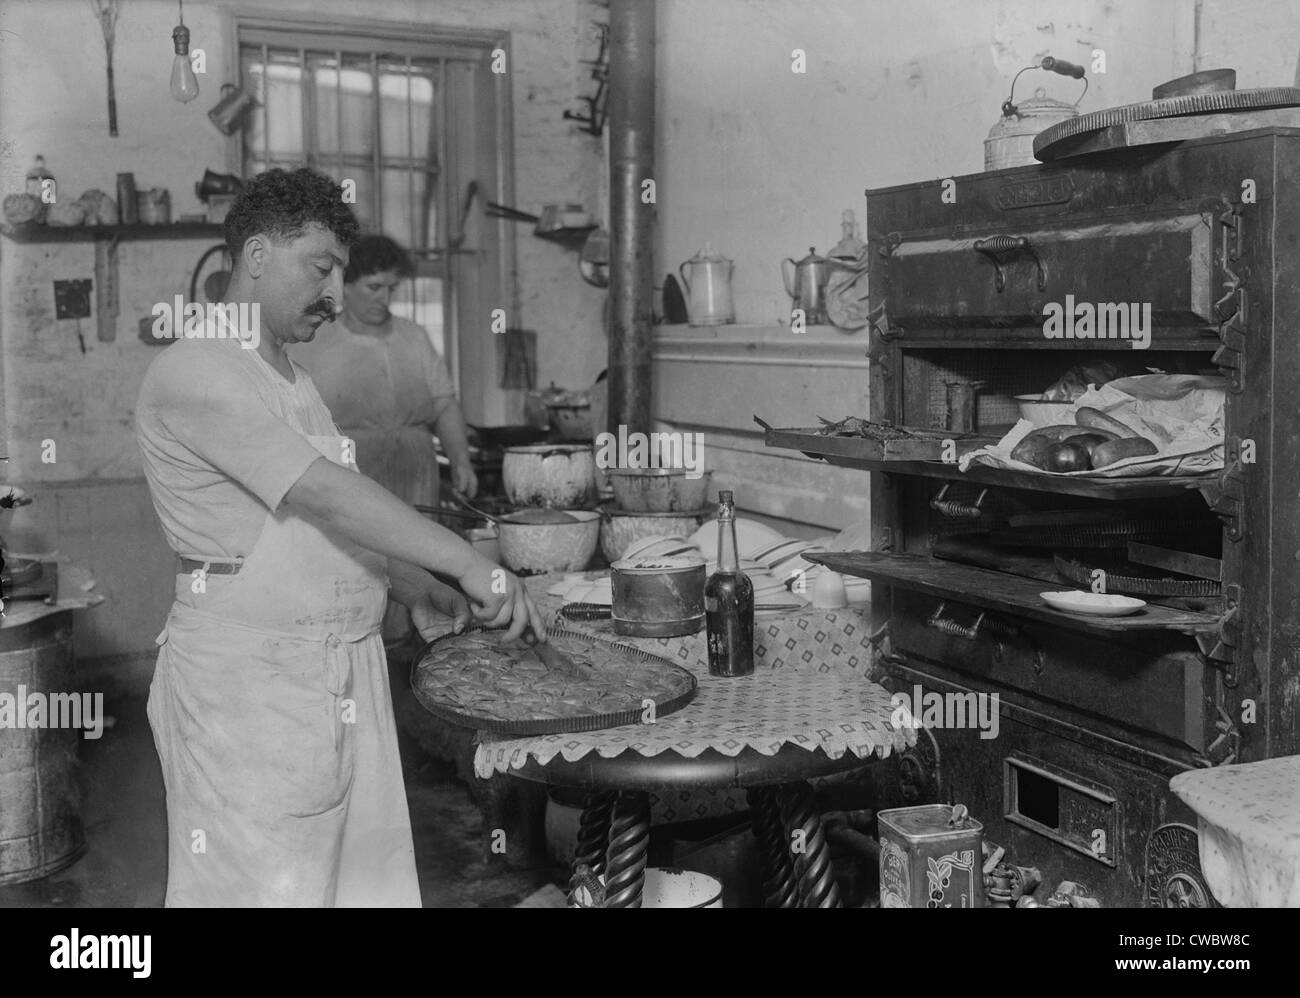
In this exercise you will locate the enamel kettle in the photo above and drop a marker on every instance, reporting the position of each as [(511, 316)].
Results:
[(808, 285), (708, 288)]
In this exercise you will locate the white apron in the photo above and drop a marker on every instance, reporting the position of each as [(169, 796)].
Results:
[(272, 716)]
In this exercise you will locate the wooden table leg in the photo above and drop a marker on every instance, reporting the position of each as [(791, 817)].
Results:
[(629, 840), (773, 849), (593, 834), (809, 852)]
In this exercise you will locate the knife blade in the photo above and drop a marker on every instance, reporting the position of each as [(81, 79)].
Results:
[(554, 659)]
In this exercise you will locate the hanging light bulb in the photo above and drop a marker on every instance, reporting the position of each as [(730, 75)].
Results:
[(185, 87)]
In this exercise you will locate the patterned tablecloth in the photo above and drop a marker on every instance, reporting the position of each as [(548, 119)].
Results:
[(809, 688), (1249, 818)]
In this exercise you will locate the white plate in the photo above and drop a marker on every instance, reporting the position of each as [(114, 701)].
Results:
[(1096, 604), (751, 536)]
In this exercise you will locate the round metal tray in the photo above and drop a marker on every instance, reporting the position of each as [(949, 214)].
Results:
[(1057, 141), (1137, 580), (554, 725)]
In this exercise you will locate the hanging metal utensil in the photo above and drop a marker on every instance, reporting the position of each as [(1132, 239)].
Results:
[(106, 11)]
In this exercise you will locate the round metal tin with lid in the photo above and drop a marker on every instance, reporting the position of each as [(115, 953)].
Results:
[(658, 597)]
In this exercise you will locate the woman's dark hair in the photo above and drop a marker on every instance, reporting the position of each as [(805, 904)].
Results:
[(283, 203), (371, 254)]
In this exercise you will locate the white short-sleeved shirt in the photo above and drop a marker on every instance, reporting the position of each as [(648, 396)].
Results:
[(223, 437)]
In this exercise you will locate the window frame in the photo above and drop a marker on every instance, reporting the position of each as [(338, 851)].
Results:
[(477, 279)]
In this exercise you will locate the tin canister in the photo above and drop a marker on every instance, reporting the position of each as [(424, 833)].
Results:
[(658, 597), (931, 856)]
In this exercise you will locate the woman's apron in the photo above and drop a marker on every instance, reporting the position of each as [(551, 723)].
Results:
[(404, 460), (272, 715)]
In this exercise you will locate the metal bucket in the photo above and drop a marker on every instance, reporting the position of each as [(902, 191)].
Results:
[(41, 828), (667, 888), (931, 856)]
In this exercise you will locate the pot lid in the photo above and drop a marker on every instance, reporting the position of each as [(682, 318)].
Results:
[(652, 565), (812, 257), (1041, 104), (707, 255)]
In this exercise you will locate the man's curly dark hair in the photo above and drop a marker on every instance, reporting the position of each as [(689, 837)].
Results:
[(371, 254), (282, 203)]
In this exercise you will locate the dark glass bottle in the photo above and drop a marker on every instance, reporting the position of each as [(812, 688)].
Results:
[(729, 602)]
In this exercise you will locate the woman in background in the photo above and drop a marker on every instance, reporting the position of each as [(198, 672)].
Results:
[(387, 388)]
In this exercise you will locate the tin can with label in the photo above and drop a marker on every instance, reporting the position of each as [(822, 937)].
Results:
[(931, 856)]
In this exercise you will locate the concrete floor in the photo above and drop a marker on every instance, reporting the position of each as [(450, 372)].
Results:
[(125, 864)]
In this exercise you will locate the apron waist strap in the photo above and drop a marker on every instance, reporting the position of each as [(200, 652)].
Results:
[(210, 567)]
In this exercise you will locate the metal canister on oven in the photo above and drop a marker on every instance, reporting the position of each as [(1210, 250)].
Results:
[(959, 414), (931, 856)]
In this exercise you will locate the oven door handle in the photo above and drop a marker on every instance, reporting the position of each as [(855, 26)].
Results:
[(1001, 631), (997, 246)]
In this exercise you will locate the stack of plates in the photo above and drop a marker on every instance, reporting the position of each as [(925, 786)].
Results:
[(662, 547)]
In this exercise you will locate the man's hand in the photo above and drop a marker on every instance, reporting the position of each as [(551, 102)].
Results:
[(430, 611), (463, 478), (430, 601), (498, 599)]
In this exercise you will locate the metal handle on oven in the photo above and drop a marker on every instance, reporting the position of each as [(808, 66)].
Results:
[(955, 508), (939, 623), (994, 246)]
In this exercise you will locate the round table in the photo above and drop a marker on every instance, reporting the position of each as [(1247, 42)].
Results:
[(614, 834), (807, 711)]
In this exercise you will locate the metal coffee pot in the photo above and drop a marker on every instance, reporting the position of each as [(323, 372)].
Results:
[(807, 286), (708, 288), (228, 113)]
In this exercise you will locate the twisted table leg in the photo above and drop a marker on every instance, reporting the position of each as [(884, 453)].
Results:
[(806, 842), (593, 833), (773, 849), (629, 839)]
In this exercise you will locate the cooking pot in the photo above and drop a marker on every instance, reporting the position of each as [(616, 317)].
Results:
[(570, 420), (533, 548), (559, 475), (1011, 139), (619, 530), (659, 490)]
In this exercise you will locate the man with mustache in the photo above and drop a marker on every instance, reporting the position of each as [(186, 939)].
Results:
[(270, 702)]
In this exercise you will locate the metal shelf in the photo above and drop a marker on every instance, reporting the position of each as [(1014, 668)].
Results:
[(30, 233), (850, 452), (999, 591)]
